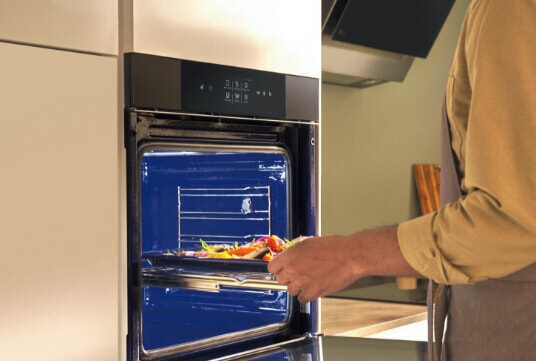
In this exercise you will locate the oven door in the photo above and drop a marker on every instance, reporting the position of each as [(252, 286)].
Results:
[(194, 178)]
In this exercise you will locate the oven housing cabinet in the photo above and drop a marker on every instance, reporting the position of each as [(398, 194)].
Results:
[(223, 154)]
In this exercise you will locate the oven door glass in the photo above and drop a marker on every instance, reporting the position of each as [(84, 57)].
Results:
[(221, 195)]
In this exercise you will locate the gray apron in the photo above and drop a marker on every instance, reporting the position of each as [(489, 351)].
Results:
[(492, 320)]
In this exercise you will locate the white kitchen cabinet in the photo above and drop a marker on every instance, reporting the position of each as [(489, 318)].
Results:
[(280, 36), (81, 25), (59, 214)]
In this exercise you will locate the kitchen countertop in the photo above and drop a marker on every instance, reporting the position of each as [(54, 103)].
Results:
[(358, 318)]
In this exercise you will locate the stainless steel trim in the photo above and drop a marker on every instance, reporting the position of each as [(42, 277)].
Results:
[(148, 112), (210, 282)]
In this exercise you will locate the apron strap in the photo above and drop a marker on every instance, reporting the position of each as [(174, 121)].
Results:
[(450, 191), (430, 312), (450, 181)]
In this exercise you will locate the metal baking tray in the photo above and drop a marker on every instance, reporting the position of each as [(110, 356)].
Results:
[(207, 274), (159, 258)]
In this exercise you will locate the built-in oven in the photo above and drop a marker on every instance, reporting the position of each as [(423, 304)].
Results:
[(216, 155)]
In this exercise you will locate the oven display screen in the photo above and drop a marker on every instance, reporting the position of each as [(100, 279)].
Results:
[(229, 90)]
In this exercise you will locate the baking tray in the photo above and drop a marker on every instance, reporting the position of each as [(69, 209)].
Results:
[(200, 264)]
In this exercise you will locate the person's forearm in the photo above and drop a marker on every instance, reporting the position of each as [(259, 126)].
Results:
[(379, 254)]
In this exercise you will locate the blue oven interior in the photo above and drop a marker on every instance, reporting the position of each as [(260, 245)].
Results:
[(220, 196)]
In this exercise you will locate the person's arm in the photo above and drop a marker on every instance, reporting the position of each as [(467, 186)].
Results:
[(319, 266)]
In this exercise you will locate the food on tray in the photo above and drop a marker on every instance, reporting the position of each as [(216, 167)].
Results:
[(265, 248)]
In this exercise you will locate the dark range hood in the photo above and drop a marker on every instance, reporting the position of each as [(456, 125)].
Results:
[(368, 42)]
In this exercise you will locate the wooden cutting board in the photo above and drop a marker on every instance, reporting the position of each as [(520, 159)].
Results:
[(427, 182)]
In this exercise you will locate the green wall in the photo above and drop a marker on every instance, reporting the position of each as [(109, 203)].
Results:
[(371, 137)]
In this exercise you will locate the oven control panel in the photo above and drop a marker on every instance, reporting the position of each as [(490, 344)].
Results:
[(161, 83), (230, 90)]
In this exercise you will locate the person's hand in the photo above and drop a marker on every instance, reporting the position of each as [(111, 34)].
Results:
[(315, 267), (319, 266)]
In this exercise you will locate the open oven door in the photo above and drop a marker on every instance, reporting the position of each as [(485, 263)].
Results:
[(197, 177)]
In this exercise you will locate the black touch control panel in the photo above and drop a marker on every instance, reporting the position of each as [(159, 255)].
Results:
[(167, 84), (231, 90)]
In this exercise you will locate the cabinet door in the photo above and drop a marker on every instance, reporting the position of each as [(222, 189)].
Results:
[(84, 25), (59, 205)]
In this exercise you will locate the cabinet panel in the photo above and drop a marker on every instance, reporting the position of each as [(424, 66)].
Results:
[(281, 36), (59, 205), (84, 25)]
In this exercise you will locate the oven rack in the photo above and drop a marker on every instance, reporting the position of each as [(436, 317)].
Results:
[(212, 214)]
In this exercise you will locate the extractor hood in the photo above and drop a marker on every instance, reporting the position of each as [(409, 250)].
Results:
[(369, 42)]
